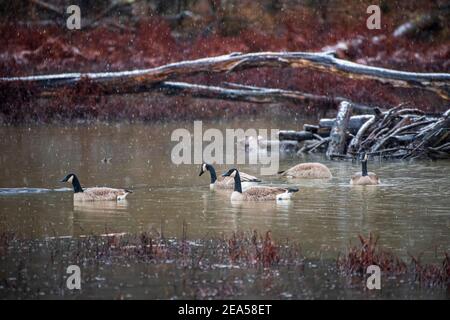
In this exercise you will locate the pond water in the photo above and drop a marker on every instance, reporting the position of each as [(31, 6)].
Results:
[(409, 210)]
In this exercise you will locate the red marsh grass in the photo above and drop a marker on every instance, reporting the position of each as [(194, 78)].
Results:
[(243, 263)]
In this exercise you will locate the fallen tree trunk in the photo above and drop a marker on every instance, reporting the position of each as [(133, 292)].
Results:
[(338, 135), (324, 128), (296, 135), (355, 122), (244, 93), (135, 80)]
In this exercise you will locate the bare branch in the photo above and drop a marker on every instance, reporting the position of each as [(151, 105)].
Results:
[(126, 81)]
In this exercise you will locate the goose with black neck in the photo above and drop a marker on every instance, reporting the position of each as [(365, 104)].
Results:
[(364, 178), (96, 193), (257, 193), (226, 182)]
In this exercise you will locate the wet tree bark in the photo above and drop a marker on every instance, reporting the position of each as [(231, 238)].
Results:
[(244, 93), (139, 80), (296, 135), (338, 135), (355, 122), (399, 133)]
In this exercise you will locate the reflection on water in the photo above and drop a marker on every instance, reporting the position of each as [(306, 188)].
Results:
[(410, 209)]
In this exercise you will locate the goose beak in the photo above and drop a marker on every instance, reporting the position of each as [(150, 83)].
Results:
[(226, 174), (201, 172)]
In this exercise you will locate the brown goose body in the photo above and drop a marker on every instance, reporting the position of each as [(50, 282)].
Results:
[(101, 194), (364, 178), (257, 193), (96, 193), (370, 180), (308, 170), (262, 193)]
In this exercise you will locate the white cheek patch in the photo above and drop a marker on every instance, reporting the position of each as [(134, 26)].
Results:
[(70, 179), (204, 167), (233, 174)]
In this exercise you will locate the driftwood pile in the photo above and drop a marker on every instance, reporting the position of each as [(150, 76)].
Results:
[(398, 133)]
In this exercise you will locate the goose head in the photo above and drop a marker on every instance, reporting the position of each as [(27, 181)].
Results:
[(203, 169), (72, 178), (69, 178)]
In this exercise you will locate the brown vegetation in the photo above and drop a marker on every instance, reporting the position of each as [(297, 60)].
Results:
[(156, 36), (368, 252), (358, 258), (241, 265)]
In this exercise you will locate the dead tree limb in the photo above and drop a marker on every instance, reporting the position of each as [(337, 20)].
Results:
[(356, 141), (245, 93), (296, 96), (307, 148), (296, 135), (434, 136), (355, 122), (49, 7), (338, 133), (128, 81)]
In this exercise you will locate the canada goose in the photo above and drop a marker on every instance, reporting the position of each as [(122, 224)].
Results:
[(257, 193), (308, 170), (226, 182), (94, 194), (364, 178)]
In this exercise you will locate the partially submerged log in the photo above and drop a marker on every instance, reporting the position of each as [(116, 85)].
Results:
[(355, 122), (296, 135), (311, 128), (140, 80), (338, 135)]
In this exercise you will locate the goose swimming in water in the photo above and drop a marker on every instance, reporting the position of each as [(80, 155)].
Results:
[(308, 170), (257, 193), (94, 194), (364, 178), (226, 182)]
